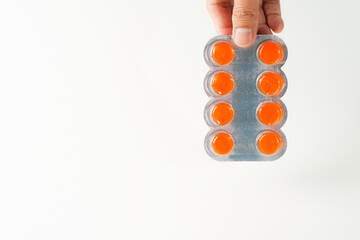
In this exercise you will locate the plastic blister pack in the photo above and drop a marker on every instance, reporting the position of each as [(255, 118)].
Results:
[(245, 112)]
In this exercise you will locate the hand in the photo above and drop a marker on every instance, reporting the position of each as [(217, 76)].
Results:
[(244, 19)]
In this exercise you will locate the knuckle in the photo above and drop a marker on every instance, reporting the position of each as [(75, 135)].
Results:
[(224, 4), (219, 4), (243, 14)]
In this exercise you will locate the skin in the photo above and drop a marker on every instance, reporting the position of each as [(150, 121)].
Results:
[(244, 19)]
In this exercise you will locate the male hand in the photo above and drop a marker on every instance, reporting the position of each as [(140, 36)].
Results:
[(244, 19)]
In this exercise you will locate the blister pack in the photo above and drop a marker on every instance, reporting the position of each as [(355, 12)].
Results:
[(245, 112)]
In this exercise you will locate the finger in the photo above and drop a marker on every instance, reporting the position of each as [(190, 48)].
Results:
[(220, 12), (273, 15), (245, 21), (263, 28)]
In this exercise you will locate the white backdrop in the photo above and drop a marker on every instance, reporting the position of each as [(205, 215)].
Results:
[(101, 126)]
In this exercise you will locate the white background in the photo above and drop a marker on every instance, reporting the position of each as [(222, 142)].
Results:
[(101, 126)]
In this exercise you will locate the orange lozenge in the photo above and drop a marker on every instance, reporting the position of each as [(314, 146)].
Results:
[(269, 143), (222, 83), (271, 83), (222, 113), (222, 143), (270, 113), (271, 53), (223, 53)]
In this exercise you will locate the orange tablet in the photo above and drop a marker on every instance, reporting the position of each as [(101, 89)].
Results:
[(223, 53), (270, 113), (222, 83), (222, 113), (269, 143), (222, 143), (271, 52), (271, 84)]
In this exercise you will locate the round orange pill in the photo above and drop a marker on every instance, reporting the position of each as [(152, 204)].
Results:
[(222, 83), (271, 53), (271, 84), (222, 143), (269, 142), (222, 113), (223, 53), (270, 113)]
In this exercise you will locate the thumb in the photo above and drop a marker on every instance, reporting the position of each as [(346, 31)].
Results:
[(245, 21)]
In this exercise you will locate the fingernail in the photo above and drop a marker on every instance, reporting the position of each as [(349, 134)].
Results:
[(243, 37)]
